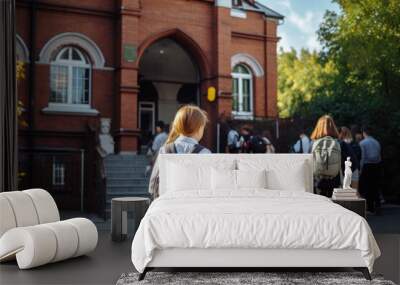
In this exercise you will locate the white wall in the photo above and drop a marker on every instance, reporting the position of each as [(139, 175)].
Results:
[(167, 104)]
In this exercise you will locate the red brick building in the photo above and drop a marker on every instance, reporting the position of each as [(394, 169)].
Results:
[(136, 61)]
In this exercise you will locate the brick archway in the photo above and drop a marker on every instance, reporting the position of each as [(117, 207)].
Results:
[(127, 131), (200, 60), (183, 39)]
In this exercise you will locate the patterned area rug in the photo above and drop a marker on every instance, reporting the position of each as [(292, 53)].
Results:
[(243, 278)]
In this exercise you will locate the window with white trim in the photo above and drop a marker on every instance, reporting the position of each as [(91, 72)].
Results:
[(70, 79), (58, 172), (242, 91)]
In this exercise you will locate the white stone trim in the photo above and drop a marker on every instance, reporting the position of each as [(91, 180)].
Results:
[(238, 13), (275, 20), (223, 3), (69, 109), (249, 61), (242, 116), (21, 46), (105, 68), (64, 39), (240, 77)]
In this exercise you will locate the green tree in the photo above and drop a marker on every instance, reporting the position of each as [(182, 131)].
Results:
[(301, 77), (364, 42)]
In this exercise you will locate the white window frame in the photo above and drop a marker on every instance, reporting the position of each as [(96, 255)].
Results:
[(58, 171), (240, 77), (70, 64), (69, 107), (144, 108)]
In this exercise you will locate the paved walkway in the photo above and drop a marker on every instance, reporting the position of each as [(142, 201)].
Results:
[(387, 222)]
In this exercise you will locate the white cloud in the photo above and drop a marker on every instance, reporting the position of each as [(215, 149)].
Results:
[(284, 42), (313, 43), (285, 3), (299, 27), (307, 24), (304, 23)]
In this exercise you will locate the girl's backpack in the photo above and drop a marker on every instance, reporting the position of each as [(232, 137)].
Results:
[(327, 157)]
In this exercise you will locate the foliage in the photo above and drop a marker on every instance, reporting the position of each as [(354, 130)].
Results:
[(355, 78), (364, 42), (20, 70), (300, 78)]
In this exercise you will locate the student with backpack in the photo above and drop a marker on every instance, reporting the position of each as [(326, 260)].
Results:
[(245, 139), (233, 140), (186, 132), (326, 152), (303, 143), (261, 143), (269, 147), (371, 171)]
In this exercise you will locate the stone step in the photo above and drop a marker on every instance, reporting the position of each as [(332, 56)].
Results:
[(126, 182), (118, 168), (126, 194), (125, 156), (127, 189), (127, 160), (125, 164), (126, 175)]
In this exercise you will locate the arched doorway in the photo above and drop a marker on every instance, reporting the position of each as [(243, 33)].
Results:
[(168, 77)]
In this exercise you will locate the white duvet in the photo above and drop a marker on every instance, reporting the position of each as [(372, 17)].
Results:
[(250, 219)]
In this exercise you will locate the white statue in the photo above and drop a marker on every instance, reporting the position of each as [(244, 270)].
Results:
[(347, 174), (106, 141)]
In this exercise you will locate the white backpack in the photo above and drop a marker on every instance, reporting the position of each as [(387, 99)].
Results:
[(327, 157)]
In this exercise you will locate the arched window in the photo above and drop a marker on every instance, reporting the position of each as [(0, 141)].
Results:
[(242, 90), (21, 51), (70, 78)]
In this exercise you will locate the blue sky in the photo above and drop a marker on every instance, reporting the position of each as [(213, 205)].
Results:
[(302, 19)]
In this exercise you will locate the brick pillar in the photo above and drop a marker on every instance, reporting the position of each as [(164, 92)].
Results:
[(271, 68), (223, 81), (127, 89)]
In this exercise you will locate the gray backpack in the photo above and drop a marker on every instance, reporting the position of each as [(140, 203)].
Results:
[(155, 174), (327, 157)]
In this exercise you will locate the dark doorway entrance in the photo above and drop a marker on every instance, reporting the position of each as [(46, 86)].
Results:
[(168, 78)]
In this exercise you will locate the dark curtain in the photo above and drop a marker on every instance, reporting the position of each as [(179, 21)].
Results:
[(8, 98)]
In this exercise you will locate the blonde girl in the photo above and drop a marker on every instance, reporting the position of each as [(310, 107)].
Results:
[(186, 131)]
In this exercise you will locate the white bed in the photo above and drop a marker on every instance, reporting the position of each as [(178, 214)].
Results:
[(215, 211)]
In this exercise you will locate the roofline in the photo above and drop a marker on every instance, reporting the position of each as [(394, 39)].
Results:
[(278, 15)]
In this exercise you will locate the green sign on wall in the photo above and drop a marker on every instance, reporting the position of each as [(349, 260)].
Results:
[(130, 53)]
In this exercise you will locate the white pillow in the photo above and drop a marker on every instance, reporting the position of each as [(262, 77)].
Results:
[(251, 178), (190, 172), (292, 179), (182, 177), (288, 175), (223, 179)]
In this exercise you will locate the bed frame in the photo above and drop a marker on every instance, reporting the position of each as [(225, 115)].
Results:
[(242, 259), (246, 258)]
